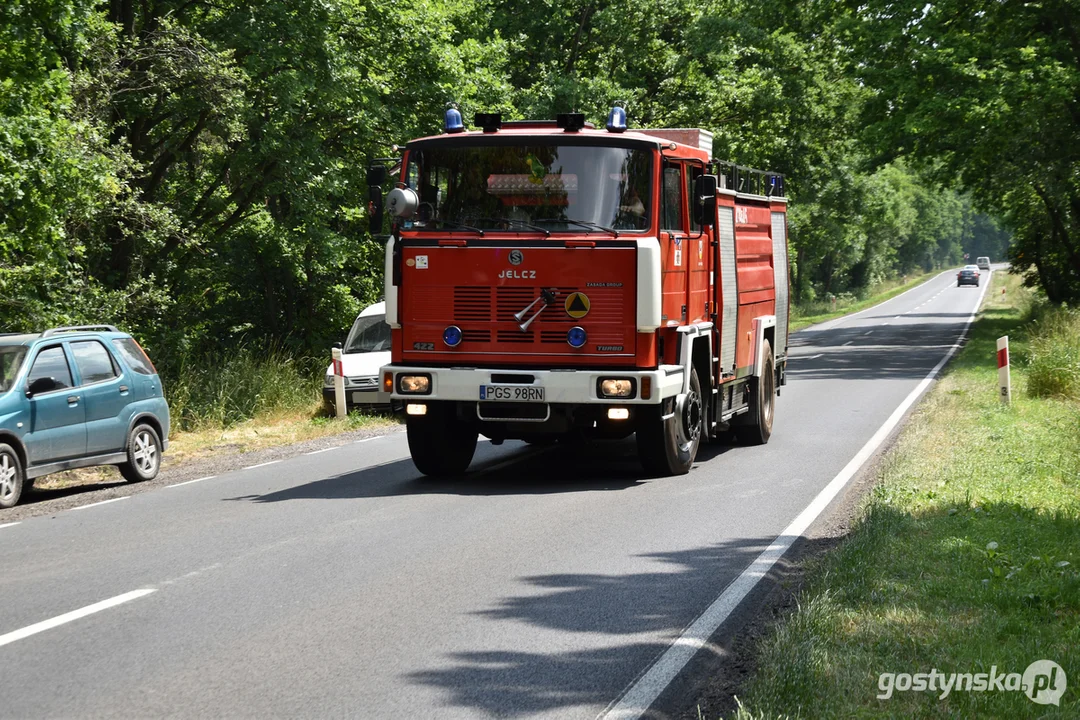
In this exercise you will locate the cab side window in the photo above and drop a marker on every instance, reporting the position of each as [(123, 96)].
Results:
[(51, 363), (93, 360), (673, 199), (694, 210)]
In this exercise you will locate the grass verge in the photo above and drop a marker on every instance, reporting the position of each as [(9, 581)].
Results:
[(820, 311), (964, 559)]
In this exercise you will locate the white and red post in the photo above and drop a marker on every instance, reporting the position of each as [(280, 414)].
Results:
[(339, 384), (1004, 381)]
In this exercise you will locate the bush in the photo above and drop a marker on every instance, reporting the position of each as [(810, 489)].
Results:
[(222, 390), (1054, 363)]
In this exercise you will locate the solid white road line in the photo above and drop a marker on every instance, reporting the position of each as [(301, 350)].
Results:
[(73, 615), (9, 524), (103, 502), (252, 467), (643, 692), (188, 482), (377, 437)]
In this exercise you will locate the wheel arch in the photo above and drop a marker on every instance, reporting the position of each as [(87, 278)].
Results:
[(145, 418), (20, 449)]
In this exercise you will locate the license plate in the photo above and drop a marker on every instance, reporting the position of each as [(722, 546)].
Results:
[(511, 393), (363, 397)]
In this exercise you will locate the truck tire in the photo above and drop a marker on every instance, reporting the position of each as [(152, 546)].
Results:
[(12, 478), (755, 427), (669, 447), (440, 444)]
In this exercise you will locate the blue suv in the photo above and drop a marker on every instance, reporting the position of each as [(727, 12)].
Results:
[(75, 397)]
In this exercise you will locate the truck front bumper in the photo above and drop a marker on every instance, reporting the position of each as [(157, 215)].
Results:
[(569, 387)]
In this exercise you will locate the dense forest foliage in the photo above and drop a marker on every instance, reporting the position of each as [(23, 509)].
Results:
[(194, 169)]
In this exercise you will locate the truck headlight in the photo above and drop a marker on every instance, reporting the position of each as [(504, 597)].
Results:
[(616, 387), (329, 382), (414, 384)]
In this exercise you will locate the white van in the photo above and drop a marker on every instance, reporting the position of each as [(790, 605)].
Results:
[(983, 263), (365, 351)]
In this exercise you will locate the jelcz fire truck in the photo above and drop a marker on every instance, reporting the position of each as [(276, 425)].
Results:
[(550, 278)]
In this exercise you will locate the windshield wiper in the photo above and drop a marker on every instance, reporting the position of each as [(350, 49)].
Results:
[(457, 225), (522, 223), (582, 223)]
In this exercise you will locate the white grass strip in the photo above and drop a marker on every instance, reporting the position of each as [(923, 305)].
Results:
[(9, 525), (73, 615), (641, 694), (189, 482), (103, 502), (252, 467)]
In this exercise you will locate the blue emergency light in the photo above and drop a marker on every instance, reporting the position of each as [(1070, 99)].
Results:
[(453, 123), (616, 120), (452, 336), (576, 337)]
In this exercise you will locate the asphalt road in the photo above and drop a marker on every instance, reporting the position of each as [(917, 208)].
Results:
[(341, 583)]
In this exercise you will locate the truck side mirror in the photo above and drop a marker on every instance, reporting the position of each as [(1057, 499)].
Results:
[(705, 200), (376, 176)]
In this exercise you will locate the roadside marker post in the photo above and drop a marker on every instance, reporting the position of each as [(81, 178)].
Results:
[(339, 384), (1004, 381)]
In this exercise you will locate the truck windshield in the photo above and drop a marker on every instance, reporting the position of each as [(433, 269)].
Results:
[(531, 187), (11, 359), (370, 333)]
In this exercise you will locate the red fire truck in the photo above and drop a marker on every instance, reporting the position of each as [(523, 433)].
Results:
[(548, 278)]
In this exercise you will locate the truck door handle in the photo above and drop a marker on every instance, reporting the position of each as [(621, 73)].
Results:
[(72, 399), (123, 388)]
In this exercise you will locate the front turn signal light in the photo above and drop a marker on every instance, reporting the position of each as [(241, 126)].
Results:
[(388, 381)]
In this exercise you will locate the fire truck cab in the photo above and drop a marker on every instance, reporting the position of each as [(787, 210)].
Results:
[(547, 279)]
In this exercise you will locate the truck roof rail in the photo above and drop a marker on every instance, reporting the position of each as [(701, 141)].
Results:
[(79, 328)]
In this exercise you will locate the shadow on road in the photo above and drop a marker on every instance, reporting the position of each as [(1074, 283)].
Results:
[(531, 471), (663, 599), (892, 351), (575, 467)]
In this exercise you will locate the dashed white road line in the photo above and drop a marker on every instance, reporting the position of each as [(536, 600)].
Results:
[(640, 694), (812, 357), (847, 343), (103, 502), (252, 467), (867, 333), (316, 452), (73, 615), (188, 482), (8, 525)]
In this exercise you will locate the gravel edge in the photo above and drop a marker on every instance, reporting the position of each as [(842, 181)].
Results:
[(36, 503)]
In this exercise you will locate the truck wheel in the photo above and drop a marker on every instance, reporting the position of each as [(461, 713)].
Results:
[(668, 447), (11, 476), (439, 443), (756, 428)]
